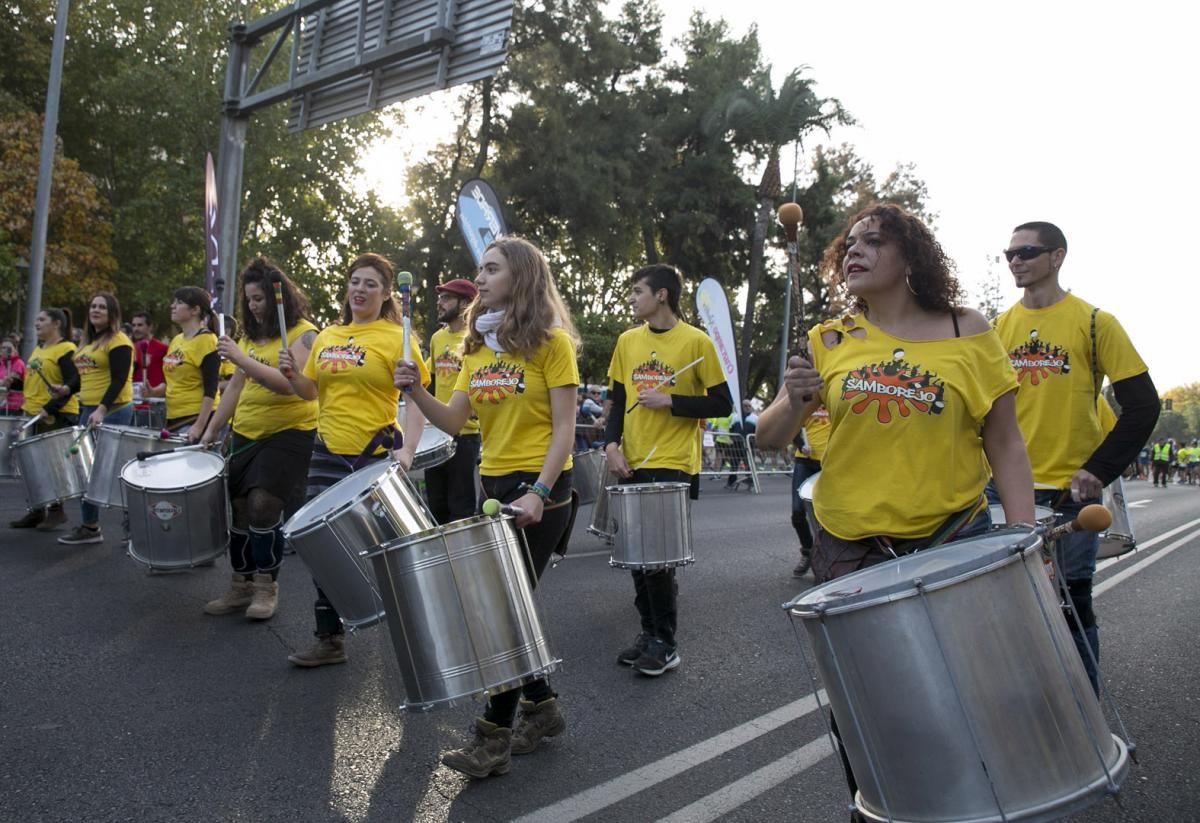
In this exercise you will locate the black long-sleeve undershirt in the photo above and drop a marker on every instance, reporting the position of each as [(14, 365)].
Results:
[(210, 373), (119, 361), (1139, 403), (70, 374), (718, 402)]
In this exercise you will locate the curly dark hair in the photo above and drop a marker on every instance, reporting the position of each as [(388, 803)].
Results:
[(933, 281), (263, 273)]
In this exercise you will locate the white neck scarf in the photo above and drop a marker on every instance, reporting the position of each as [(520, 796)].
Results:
[(487, 324)]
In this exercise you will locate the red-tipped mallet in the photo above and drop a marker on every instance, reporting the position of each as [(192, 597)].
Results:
[(164, 434), (278, 287)]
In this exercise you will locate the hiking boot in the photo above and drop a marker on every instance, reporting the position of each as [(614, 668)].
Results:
[(489, 753), (30, 519), (656, 659), (266, 598), (628, 656), (241, 592), (80, 535), (804, 565), (55, 517), (538, 720), (326, 651)]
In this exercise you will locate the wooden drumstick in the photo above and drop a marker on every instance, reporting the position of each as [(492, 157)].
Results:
[(666, 378), (646, 459), (1093, 518), (278, 287)]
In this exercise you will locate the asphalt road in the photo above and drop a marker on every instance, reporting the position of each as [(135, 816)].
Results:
[(120, 700)]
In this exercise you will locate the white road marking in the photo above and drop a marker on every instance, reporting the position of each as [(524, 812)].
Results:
[(1121, 577), (1137, 504)]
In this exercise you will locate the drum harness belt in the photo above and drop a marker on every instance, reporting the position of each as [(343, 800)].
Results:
[(944, 533), (385, 437)]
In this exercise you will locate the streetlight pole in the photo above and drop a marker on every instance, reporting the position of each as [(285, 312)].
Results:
[(41, 209)]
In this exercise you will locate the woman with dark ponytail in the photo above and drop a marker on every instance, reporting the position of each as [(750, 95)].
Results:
[(273, 432), (192, 366), (53, 398)]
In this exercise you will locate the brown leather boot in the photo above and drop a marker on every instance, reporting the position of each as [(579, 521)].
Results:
[(266, 598), (538, 720), (241, 592), (327, 650), (489, 753)]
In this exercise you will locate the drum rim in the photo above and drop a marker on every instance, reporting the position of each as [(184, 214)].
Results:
[(438, 530), (68, 431), (330, 514), (1030, 542), (647, 488), (161, 460)]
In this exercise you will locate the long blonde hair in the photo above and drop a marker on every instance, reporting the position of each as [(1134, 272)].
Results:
[(535, 306)]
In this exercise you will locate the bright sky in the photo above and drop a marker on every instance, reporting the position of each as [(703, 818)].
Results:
[(1060, 111)]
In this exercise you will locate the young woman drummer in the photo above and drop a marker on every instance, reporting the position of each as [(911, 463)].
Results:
[(53, 397), (349, 373), (192, 366), (918, 391), (273, 432), (519, 374), (105, 365)]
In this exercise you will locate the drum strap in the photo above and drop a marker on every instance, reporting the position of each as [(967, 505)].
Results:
[(944, 533), (385, 437)]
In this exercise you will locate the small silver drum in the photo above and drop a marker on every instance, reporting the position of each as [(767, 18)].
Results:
[(601, 523), (333, 532), (435, 448), (460, 611), (10, 431), (1119, 538), (806, 490), (178, 510), (653, 525), (115, 447), (589, 475), (51, 472), (1043, 515), (151, 414), (957, 689)]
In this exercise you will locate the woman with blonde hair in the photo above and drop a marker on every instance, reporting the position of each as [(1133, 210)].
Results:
[(519, 376)]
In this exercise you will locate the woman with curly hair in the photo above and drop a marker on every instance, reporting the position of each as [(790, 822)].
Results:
[(519, 374), (919, 391)]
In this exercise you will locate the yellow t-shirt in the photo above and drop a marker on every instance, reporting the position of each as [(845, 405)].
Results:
[(816, 429), (226, 369), (1051, 351), (262, 412), (352, 366), (511, 396), (36, 393), (445, 362), (644, 359), (92, 363), (181, 368), (905, 449)]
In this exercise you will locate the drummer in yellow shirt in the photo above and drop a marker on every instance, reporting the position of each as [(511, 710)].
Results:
[(52, 398), (273, 432), (349, 373), (105, 366), (191, 367), (653, 425), (918, 390), (519, 374)]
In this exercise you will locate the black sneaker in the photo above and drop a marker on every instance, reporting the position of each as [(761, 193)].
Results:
[(803, 566), (629, 656), (656, 659), (81, 535)]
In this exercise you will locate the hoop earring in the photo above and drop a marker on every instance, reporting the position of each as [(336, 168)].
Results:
[(908, 282)]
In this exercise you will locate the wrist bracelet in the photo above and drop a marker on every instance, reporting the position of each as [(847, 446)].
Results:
[(539, 488)]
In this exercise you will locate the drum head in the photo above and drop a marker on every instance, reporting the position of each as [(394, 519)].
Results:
[(935, 567), (806, 488), (140, 432), (1040, 513), (173, 471), (340, 494)]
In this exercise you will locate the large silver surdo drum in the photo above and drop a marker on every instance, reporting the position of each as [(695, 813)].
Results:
[(10, 430), (652, 525), (957, 689), (115, 447), (460, 611), (50, 469)]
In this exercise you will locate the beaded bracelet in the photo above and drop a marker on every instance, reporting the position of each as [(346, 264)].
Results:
[(539, 488)]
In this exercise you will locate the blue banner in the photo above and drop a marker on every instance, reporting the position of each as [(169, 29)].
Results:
[(479, 216)]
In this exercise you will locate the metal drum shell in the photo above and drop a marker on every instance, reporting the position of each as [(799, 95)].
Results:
[(51, 473), (588, 477), (601, 523), (10, 432), (653, 525), (115, 447), (1044, 515), (436, 447), (333, 531), (151, 413), (460, 611), (1118, 539), (1010, 677), (175, 526)]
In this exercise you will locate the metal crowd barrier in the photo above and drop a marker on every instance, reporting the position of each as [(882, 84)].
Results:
[(725, 454)]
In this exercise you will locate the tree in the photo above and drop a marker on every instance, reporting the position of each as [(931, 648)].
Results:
[(79, 260)]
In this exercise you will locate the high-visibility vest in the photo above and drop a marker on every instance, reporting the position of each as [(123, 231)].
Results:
[(1162, 452)]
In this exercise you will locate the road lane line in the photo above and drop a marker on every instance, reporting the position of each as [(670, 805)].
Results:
[(726, 799), (1143, 563), (627, 785)]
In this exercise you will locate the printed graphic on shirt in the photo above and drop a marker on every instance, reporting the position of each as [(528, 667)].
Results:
[(85, 363), (652, 374), (898, 383), (174, 358), (447, 364), (496, 382), (334, 359), (1038, 360)]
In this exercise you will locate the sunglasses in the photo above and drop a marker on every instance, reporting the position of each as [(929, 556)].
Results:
[(1026, 252)]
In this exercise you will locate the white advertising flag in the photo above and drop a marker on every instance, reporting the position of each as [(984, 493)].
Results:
[(713, 309)]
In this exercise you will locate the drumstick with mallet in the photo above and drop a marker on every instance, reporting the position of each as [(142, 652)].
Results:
[(404, 285), (74, 447), (790, 215), (1092, 518), (666, 378), (494, 508)]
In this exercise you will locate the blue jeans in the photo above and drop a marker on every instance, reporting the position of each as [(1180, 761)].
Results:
[(117, 417)]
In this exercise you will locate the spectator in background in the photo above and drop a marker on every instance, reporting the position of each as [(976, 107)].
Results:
[(148, 351), (12, 377)]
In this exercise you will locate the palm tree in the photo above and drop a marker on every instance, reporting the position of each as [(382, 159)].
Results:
[(761, 120)]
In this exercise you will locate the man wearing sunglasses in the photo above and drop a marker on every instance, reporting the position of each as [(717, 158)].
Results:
[(1062, 348)]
